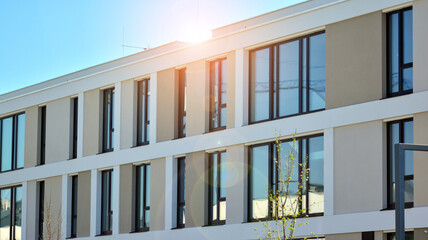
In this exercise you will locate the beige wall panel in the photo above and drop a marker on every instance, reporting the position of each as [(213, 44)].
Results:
[(31, 133), (379, 235), (345, 236), (197, 98), (354, 60), (357, 168), (230, 90), (157, 194), (128, 113), (420, 164), (420, 50), (31, 209), (166, 100), (127, 186), (91, 122), (419, 234), (83, 203), (53, 203), (58, 130), (236, 188), (196, 192)]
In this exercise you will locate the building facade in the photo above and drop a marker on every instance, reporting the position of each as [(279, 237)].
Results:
[(178, 142)]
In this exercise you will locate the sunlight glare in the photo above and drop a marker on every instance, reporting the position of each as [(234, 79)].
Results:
[(196, 34)]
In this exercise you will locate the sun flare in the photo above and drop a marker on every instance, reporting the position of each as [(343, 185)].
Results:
[(196, 34)]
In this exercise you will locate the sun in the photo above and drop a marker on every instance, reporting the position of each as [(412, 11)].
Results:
[(196, 34)]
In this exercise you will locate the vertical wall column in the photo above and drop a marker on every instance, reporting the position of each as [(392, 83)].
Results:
[(96, 209), (170, 193), (236, 187), (29, 208), (117, 113), (24, 212), (241, 87), (153, 107), (80, 120), (116, 199), (66, 207), (328, 172)]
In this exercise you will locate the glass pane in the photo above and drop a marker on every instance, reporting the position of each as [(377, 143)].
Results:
[(148, 99), (147, 219), (393, 53), (147, 186), (181, 215), (223, 117), (316, 174), (317, 72), (223, 81), (408, 191), (181, 180), (288, 78), (112, 120), (223, 175), (140, 197), (407, 78), (6, 150), (259, 181), (393, 138), (408, 36), (106, 126), (214, 179), (142, 110), (21, 141), (408, 155), (5, 210), (304, 77), (18, 212), (259, 85), (222, 205)]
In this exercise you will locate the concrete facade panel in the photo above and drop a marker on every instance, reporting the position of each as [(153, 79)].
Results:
[(91, 122), (53, 204), (128, 115), (230, 90), (420, 162), (166, 99), (420, 50), (197, 104), (127, 195), (195, 189), (83, 203), (31, 136), (346, 236), (157, 194)]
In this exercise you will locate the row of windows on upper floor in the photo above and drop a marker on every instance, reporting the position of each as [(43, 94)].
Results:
[(286, 79)]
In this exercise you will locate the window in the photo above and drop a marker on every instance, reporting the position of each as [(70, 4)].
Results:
[(10, 212), (108, 120), (182, 100), (367, 236), (12, 141), (264, 162), (142, 218), (400, 52), (400, 132), (143, 129), (217, 188), (407, 236), (41, 208), (181, 194), (74, 182), (42, 150), (106, 202), (218, 81), (74, 121), (287, 78)]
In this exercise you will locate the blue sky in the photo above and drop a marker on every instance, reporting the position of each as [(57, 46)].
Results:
[(44, 39)]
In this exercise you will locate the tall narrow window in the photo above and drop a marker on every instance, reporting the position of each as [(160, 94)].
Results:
[(74, 122), (265, 178), (400, 52), (108, 120), (181, 195), (407, 236), (218, 81), (287, 78), (106, 202), (10, 212), (74, 182), (143, 135), (142, 218), (41, 208), (12, 140), (182, 102), (42, 150), (400, 132), (217, 188)]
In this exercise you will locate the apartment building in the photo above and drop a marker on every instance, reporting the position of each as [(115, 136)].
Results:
[(177, 142)]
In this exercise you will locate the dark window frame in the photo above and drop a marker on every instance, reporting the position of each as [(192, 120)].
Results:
[(181, 187), (42, 150), (274, 76), (74, 126), (182, 98), (140, 168), (213, 94), (109, 216), (271, 149), (217, 188), (391, 236), (401, 65), (14, 150), (400, 122), (143, 123), (41, 208), (73, 215), (108, 117), (12, 226)]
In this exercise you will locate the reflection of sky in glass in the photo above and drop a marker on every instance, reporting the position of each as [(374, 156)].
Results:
[(6, 163)]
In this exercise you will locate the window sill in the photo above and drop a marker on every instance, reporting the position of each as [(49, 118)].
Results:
[(288, 116), (14, 169)]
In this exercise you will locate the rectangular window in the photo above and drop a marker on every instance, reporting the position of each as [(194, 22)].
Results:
[(10, 212), (269, 168), (42, 150), (74, 182), (217, 188), (142, 218), (182, 102), (181, 194), (12, 141), (400, 131), (143, 129), (218, 81), (400, 52), (106, 202), (74, 122), (41, 208), (287, 78), (407, 236), (108, 120)]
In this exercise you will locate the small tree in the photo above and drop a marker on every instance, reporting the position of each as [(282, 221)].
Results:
[(52, 221)]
